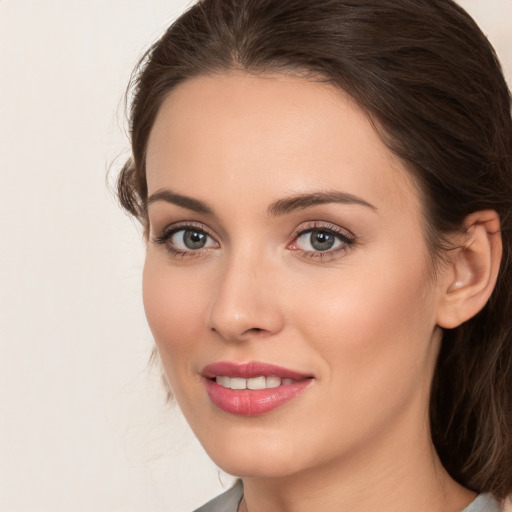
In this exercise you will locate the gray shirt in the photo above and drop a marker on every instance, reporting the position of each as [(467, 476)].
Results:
[(229, 501)]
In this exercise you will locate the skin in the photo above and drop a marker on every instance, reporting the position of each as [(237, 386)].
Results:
[(363, 318)]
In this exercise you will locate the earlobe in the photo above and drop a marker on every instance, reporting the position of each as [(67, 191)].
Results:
[(473, 270)]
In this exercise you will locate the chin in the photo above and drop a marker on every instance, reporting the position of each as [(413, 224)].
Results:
[(254, 468), (268, 458)]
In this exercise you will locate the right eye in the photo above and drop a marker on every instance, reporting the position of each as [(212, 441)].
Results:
[(191, 239), (186, 240)]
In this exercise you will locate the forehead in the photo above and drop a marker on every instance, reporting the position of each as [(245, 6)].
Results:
[(249, 136)]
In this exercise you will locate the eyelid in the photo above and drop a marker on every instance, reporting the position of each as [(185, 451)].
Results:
[(347, 238), (176, 226), (170, 230)]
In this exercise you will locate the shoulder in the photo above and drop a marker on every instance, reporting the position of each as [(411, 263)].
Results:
[(227, 501), (483, 503)]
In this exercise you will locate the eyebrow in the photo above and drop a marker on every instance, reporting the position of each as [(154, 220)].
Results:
[(302, 201), (278, 208), (180, 200)]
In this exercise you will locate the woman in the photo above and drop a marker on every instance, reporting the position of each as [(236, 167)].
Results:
[(326, 192)]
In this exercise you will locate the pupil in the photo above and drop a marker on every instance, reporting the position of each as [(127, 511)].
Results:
[(194, 239), (322, 241)]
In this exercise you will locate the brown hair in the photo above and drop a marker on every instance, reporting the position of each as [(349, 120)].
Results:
[(432, 84)]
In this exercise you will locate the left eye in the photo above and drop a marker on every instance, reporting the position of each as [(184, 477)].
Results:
[(319, 240), (191, 240)]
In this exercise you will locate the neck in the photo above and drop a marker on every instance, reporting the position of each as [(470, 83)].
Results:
[(395, 473)]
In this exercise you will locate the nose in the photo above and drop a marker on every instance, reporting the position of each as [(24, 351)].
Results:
[(247, 302)]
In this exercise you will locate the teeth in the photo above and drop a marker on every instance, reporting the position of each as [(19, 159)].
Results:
[(252, 383), (223, 381), (273, 382), (238, 383), (257, 383)]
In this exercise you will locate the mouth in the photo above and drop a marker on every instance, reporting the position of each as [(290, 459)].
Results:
[(253, 383), (254, 388)]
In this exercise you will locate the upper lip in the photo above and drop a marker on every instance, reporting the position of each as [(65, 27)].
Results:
[(250, 370)]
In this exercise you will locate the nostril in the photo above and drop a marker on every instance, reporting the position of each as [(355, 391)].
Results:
[(253, 331), (238, 321)]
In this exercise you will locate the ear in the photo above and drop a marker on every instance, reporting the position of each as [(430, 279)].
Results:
[(471, 275)]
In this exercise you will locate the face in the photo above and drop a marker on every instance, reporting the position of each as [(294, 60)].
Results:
[(287, 280)]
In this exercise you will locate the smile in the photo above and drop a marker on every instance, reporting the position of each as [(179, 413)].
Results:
[(253, 383), (252, 389)]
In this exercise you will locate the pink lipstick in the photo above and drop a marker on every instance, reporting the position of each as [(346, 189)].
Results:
[(253, 388)]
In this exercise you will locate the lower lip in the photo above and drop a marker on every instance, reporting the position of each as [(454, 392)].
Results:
[(247, 402)]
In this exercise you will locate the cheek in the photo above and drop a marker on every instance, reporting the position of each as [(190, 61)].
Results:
[(374, 330), (366, 299), (175, 309)]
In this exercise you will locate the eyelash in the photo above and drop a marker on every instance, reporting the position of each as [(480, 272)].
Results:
[(346, 238), (170, 231)]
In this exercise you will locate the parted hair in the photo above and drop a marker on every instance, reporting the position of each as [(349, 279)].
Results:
[(431, 83)]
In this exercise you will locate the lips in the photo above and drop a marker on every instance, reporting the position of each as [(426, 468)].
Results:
[(253, 388)]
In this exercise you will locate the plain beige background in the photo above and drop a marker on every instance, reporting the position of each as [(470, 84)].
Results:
[(83, 426)]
